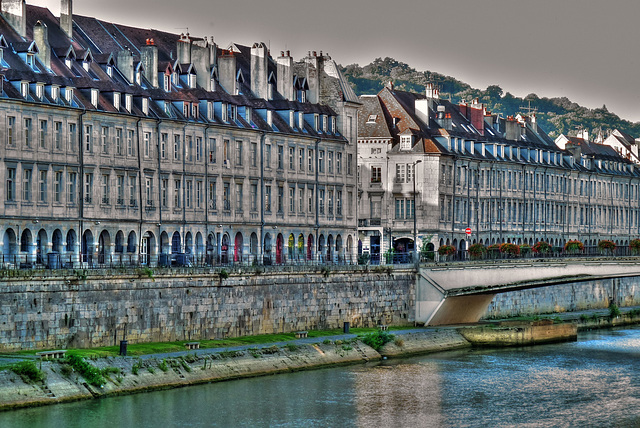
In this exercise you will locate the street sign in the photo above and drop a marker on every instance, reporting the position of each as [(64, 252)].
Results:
[(468, 231)]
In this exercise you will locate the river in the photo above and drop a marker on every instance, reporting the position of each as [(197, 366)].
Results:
[(594, 382)]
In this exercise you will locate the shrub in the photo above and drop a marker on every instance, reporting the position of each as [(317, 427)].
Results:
[(446, 250), (291, 347), (377, 339), (477, 251), (541, 247), (92, 375), (525, 249), (363, 258), (223, 274), (510, 249), (573, 247), (634, 246), (606, 246), (28, 371), (614, 311)]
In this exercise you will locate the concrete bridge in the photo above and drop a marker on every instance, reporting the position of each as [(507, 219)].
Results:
[(462, 292)]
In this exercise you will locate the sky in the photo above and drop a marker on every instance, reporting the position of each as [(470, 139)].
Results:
[(585, 50)]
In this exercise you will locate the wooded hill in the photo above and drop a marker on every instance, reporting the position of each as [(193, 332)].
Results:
[(555, 115)]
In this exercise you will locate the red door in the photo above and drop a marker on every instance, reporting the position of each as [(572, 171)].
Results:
[(279, 244)]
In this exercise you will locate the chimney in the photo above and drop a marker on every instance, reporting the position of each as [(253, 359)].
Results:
[(422, 110), (477, 112), (259, 60), (66, 17), (389, 85), (14, 12), (512, 129), (41, 37), (184, 49), (201, 60), (124, 62), (227, 71), (313, 77), (285, 76), (149, 59)]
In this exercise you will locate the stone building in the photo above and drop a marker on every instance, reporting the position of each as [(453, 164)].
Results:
[(504, 179), (127, 145)]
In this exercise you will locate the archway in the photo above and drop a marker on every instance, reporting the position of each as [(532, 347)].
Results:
[(310, 247), (224, 249), (56, 241), (212, 248), (132, 247), (349, 254), (321, 247), (291, 244), (266, 249), (176, 247), (279, 248), (71, 245), (339, 248), (200, 249), (119, 247), (147, 247), (41, 247), (104, 244), (10, 247), (237, 248), (300, 252), (87, 247), (330, 249), (188, 243)]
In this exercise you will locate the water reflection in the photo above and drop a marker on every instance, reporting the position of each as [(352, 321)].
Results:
[(593, 382)]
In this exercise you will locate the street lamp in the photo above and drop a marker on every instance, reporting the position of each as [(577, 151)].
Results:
[(415, 223)]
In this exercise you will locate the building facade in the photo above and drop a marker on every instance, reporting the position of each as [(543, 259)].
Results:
[(123, 145), (504, 179)]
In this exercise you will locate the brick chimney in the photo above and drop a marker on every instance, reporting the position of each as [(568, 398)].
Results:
[(14, 11), (259, 61), (66, 17), (285, 76)]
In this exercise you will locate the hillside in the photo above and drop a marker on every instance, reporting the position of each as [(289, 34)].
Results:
[(555, 115)]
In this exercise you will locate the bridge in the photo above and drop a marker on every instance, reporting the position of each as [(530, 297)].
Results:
[(461, 293)]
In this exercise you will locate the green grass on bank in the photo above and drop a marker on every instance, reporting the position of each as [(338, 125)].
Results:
[(137, 349)]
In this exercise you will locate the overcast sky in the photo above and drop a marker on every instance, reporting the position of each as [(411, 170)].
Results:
[(586, 50)]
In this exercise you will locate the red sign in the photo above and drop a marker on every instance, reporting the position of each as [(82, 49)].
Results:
[(468, 231)]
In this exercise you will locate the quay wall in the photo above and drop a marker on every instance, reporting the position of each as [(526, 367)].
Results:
[(575, 296), (48, 310)]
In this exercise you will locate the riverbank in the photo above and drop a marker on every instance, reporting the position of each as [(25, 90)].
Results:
[(127, 375)]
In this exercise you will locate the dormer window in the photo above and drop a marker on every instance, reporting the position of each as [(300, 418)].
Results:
[(127, 102), (145, 106), (185, 110), (292, 119), (175, 79), (110, 70), (116, 100), (325, 123), (209, 111), (68, 62), (86, 64), (269, 118), (139, 77), (192, 81), (68, 94), (301, 120), (40, 90), (247, 114), (405, 142), (302, 96), (94, 97), (316, 122), (225, 112), (55, 93), (372, 118), (233, 113), (333, 124), (30, 60), (194, 110), (167, 82), (24, 89)]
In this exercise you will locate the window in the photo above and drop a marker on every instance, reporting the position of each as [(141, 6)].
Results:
[(350, 203), (164, 190), (147, 144), (310, 201), (57, 187), (301, 160), (254, 197), (330, 162), (405, 142), (410, 172), (119, 141), (267, 198), (280, 157), (188, 193), (176, 193), (376, 174), (400, 173), (42, 137), (164, 138), (339, 163), (372, 118), (339, 203), (280, 199), (198, 149), (349, 164), (148, 187), (212, 150), (104, 137), (27, 132), (212, 195), (176, 147), (133, 191), (11, 125), (72, 137), (238, 153), (198, 194), (321, 161), (292, 199), (292, 154), (404, 208), (130, 148), (225, 152), (330, 202), (120, 189), (43, 185), (226, 194), (239, 197), (321, 201), (105, 189), (88, 138), (11, 185), (26, 184), (254, 154), (71, 197), (267, 156), (88, 187), (57, 136), (310, 160), (301, 200)]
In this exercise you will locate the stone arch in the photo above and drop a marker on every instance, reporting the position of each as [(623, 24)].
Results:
[(147, 247), (310, 247), (56, 241), (176, 243), (188, 243), (300, 247), (104, 247), (330, 252), (321, 247), (10, 246), (253, 245), (132, 242), (41, 246), (339, 248), (238, 248), (87, 247), (224, 248), (200, 248), (71, 244), (291, 245), (266, 248), (279, 248), (350, 248)]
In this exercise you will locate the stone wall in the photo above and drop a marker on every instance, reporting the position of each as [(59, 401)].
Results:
[(60, 312), (575, 296)]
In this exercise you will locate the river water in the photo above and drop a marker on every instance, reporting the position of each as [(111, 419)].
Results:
[(594, 382)]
